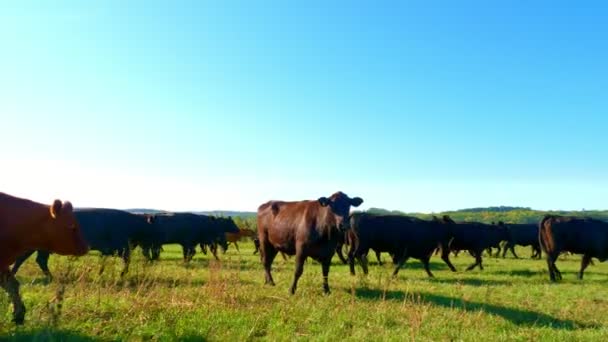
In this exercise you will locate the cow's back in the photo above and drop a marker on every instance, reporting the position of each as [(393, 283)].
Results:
[(579, 236), (110, 228)]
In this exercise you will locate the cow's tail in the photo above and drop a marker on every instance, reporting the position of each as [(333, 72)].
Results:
[(544, 238)]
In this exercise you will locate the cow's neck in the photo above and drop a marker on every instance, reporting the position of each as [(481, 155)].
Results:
[(326, 221), (30, 228)]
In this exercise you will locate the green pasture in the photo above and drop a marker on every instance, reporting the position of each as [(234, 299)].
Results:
[(228, 301)]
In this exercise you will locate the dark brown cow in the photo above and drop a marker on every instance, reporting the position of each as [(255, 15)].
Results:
[(27, 225), (585, 236), (304, 229)]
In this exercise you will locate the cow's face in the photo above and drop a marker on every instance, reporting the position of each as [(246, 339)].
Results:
[(339, 205), (63, 230), (229, 226), (502, 230)]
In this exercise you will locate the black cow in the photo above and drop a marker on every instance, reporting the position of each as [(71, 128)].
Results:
[(110, 231), (522, 235), (402, 236), (304, 229), (585, 236), (476, 237), (189, 230)]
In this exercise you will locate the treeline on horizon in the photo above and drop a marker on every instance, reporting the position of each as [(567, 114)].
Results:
[(485, 215)]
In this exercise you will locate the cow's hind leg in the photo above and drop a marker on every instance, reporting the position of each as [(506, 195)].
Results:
[(267, 254), (379, 257), (340, 254), (300, 259), (427, 268), (584, 263), (478, 260), (42, 259), (126, 258), (445, 256), (402, 259), (10, 284), (20, 260), (325, 266), (512, 249), (554, 273)]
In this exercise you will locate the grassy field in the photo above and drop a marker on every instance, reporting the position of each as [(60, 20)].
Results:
[(510, 300)]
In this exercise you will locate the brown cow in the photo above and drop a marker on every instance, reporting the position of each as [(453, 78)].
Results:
[(304, 229), (27, 225), (585, 236)]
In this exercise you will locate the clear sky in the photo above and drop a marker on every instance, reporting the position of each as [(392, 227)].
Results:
[(411, 105)]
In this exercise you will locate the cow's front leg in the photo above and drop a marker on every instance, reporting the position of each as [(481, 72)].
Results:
[(10, 284), (325, 266), (300, 259)]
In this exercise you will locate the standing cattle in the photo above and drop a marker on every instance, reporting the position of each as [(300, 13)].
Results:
[(476, 237), (402, 236), (304, 229), (522, 235), (27, 225), (109, 231), (585, 236), (190, 230)]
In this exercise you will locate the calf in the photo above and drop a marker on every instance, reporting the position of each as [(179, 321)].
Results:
[(585, 236), (233, 238), (402, 236), (304, 229), (476, 237), (26, 225)]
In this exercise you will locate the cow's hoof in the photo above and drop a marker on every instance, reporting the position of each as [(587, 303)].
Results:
[(19, 319)]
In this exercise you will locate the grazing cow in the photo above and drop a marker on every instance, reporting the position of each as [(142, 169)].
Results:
[(26, 225), (189, 230), (476, 237), (402, 236), (522, 235), (585, 236), (233, 238), (304, 229), (109, 231)]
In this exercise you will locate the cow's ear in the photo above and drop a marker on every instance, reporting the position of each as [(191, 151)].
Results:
[(55, 208), (324, 201), (355, 202), (67, 207)]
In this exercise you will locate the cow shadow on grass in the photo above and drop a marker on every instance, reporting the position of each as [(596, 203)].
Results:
[(470, 281), (69, 336), (48, 335), (516, 316)]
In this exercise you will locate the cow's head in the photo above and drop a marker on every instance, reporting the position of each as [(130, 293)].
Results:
[(339, 205), (227, 225), (503, 232), (63, 231)]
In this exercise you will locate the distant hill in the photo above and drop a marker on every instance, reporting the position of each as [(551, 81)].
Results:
[(500, 209), (244, 214), (488, 214), (495, 214), (146, 211)]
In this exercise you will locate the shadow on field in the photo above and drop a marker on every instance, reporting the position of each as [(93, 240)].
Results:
[(516, 316), (64, 335), (470, 281), (47, 335)]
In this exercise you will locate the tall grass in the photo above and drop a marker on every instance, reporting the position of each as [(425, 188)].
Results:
[(167, 300)]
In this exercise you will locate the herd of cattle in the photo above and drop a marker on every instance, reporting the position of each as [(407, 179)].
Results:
[(316, 229)]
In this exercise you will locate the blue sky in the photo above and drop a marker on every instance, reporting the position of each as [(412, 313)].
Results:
[(412, 105)]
